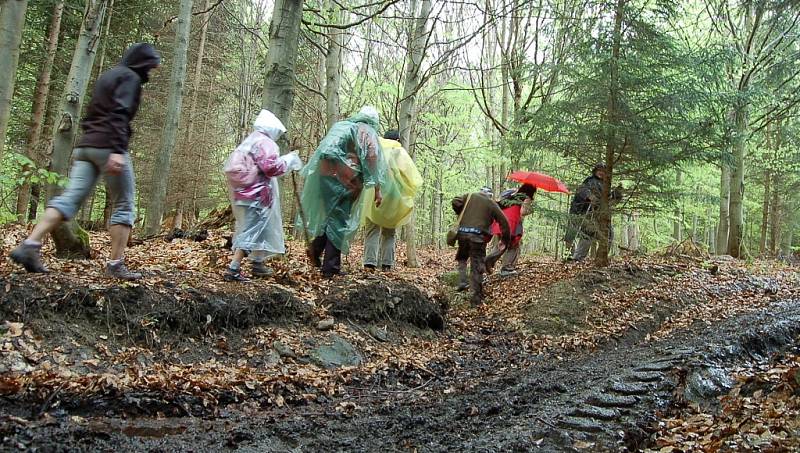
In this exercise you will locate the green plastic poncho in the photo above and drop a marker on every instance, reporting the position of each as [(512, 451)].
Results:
[(348, 160), (401, 186)]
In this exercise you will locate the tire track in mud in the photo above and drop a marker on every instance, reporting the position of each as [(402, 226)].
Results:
[(600, 401)]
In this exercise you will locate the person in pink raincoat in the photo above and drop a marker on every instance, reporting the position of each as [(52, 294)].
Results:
[(251, 171)]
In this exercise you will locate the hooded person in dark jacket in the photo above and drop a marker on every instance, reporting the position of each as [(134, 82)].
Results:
[(583, 213), (102, 150)]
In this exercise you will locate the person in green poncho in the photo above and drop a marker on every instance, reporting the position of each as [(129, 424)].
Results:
[(348, 160)]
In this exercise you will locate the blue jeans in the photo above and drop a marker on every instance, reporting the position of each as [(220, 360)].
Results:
[(87, 167)]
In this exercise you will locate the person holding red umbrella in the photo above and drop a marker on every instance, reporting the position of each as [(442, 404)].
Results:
[(515, 204)]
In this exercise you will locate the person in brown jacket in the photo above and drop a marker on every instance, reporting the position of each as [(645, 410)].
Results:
[(474, 232)]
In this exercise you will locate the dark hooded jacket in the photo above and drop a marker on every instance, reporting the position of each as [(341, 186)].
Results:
[(115, 100)]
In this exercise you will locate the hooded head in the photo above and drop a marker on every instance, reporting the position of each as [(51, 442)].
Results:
[(269, 124), (141, 58), (368, 115), (600, 170), (527, 189)]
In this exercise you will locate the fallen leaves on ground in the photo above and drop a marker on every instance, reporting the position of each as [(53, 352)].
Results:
[(761, 413), (672, 293)]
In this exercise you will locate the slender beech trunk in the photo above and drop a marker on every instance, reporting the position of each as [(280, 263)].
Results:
[(724, 209), (417, 39), (333, 68), (765, 208), (776, 215), (676, 222), (69, 238), (736, 232), (161, 173), (39, 109), (12, 21)]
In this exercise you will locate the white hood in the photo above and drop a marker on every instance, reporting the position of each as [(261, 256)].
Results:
[(269, 124)]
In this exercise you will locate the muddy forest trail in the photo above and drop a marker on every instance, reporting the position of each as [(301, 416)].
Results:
[(663, 353)]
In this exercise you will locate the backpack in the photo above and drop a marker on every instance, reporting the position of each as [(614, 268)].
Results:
[(240, 168)]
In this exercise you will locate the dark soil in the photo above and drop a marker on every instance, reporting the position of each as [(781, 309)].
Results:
[(562, 307), (491, 396), (379, 300)]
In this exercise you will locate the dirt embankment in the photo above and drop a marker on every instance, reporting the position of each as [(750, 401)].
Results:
[(561, 357)]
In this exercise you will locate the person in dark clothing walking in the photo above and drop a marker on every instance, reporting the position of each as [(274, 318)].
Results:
[(583, 213), (102, 150), (474, 231)]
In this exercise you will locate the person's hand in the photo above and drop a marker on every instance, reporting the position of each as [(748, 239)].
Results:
[(378, 197), (115, 164), (293, 161)]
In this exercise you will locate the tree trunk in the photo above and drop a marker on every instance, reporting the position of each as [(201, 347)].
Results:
[(777, 214), (604, 217), (791, 223), (676, 222), (417, 41), (12, 21), (161, 174), (284, 33), (736, 233), (40, 107), (69, 238), (333, 68), (189, 139), (762, 243), (724, 209)]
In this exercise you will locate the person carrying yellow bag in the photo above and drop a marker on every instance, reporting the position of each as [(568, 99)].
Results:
[(381, 222)]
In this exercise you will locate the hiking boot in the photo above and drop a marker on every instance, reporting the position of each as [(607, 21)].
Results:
[(262, 270), (315, 261), (234, 275), (386, 268), (369, 267), (121, 272), (462, 286), (331, 275), (30, 257)]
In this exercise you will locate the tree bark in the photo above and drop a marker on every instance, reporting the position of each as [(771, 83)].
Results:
[(724, 209), (776, 215), (417, 39), (333, 68), (791, 223), (69, 238), (765, 208), (284, 33), (187, 198), (736, 232), (39, 108), (12, 21), (604, 216), (161, 174), (676, 222)]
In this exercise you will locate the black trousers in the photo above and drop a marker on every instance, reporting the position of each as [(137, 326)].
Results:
[(332, 260)]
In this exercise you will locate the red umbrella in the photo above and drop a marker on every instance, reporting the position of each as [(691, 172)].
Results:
[(539, 180)]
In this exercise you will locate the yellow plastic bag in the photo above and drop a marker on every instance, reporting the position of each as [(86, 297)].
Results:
[(398, 190)]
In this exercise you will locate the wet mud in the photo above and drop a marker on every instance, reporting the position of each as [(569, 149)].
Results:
[(504, 399)]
